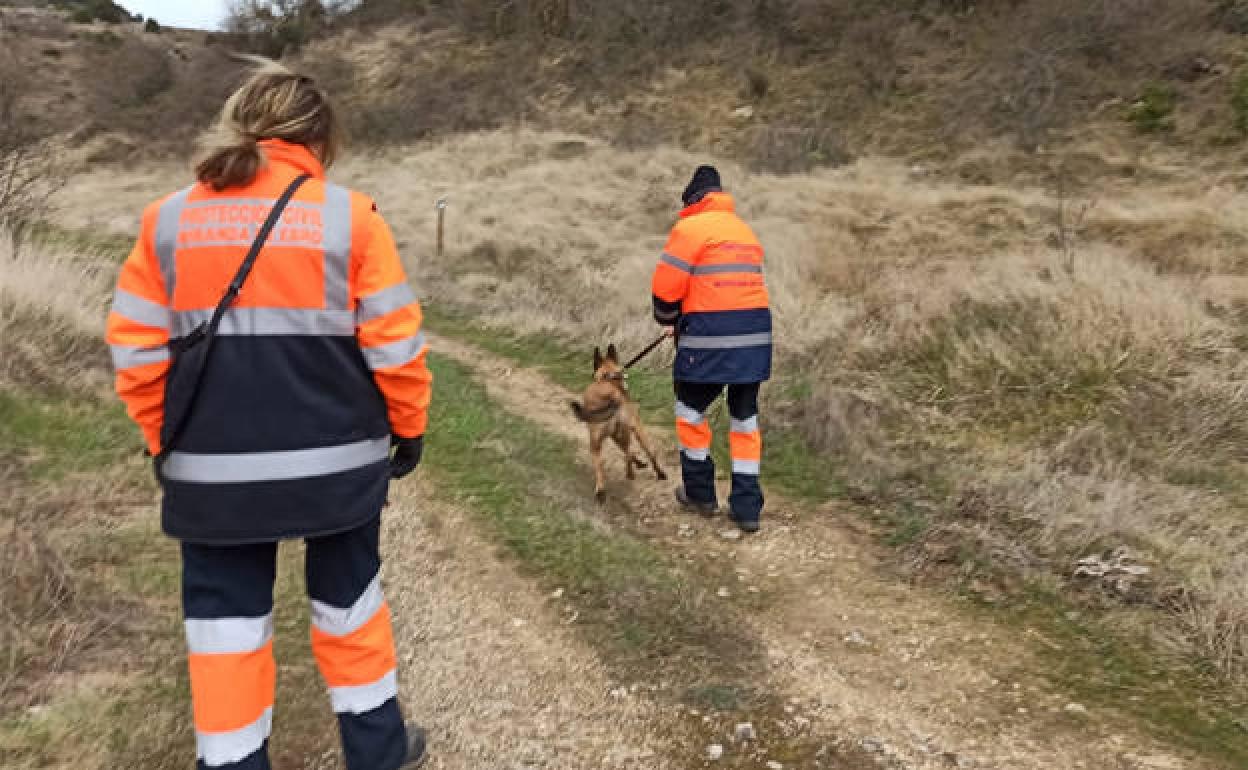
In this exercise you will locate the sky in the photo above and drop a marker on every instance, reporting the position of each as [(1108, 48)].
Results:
[(195, 14)]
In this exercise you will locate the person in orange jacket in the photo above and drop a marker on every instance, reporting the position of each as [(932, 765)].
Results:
[(313, 396), (709, 289)]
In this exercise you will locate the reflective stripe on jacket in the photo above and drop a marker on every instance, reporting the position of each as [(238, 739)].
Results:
[(710, 282), (315, 365)]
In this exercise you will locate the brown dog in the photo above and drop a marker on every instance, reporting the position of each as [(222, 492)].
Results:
[(611, 413)]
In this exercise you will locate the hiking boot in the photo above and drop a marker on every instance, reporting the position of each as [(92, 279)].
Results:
[(705, 509), (415, 748), (749, 527)]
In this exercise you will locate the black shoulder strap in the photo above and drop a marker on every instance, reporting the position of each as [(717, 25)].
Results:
[(203, 335), (244, 270)]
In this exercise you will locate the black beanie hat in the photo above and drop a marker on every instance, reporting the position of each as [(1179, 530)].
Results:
[(705, 180)]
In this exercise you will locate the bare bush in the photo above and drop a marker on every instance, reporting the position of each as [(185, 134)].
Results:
[(790, 149), (1043, 64), (276, 27), (167, 98), (29, 170)]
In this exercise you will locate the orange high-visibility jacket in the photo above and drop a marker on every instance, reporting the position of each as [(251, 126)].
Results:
[(316, 365), (709, 282)]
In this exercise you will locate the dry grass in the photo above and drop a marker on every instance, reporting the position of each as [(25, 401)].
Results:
[(933, 340), (90, 633), (51, 310), (82, 576)]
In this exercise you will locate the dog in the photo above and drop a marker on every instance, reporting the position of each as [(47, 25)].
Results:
[(610, 413)]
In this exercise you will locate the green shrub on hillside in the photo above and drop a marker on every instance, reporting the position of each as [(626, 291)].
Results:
[(1153, 112), (1232, 16), (1239, 101), (87, 11)]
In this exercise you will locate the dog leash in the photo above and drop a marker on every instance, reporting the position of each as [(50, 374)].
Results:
[(649, 349)]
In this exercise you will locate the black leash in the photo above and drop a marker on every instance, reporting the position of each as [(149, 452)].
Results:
[(650, 349)]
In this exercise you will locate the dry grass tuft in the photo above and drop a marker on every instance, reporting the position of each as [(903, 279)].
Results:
[(52, 608), (51, 310)]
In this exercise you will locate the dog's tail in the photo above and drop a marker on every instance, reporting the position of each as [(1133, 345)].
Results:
[(594, 416)]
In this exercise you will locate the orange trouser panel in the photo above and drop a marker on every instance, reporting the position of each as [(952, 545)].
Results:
[(693, 436), (746, 446), (231, 691), (360, 657)]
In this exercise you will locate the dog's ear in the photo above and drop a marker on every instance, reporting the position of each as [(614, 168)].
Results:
[(597, 359), (612, 355)]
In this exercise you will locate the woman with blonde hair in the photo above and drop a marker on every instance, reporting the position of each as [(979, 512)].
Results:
[(269, 347)]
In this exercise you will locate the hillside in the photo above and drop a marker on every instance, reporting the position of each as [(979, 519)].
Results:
[(983, 91)]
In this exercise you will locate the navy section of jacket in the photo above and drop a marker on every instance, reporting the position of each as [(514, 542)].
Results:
[(730, 366)]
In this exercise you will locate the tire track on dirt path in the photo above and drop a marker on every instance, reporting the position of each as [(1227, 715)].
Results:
[(487, 663), (909, 675)]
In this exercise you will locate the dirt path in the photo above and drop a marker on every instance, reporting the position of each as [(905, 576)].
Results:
[(907, 674), (489, 663)]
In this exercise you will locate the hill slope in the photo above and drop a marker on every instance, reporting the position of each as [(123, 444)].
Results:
[(781, 85)]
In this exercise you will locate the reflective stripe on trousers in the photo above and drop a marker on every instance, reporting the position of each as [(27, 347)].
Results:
[(745, 445), (692, 432), (228, 604), (233, 682), (354, 647)]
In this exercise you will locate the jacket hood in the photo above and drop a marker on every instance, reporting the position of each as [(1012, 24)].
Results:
[(716, 201), (291, 154)]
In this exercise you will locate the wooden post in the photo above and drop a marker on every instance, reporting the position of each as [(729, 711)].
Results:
[(441, 206)]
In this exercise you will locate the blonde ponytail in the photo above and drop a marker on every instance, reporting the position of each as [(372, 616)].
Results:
[(274, 103)]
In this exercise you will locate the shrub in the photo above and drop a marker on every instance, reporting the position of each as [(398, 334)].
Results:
[(1153, 112), (30, 170), (1232, 16), (148, 73), (1239, 101), (277, 28), (151, 26), (87, 11), (792, 149)]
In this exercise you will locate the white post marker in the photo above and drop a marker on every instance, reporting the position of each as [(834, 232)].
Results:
[(441, 205)]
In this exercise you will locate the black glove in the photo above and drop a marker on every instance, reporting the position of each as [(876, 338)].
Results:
[(407, 454)]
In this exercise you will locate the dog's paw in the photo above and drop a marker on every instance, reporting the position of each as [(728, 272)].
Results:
[(600, 495)]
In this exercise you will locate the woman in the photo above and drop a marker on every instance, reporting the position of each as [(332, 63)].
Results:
[(278, 419)]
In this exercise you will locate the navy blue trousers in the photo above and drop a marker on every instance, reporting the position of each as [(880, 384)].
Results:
[(227, 596), (693, 400)]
